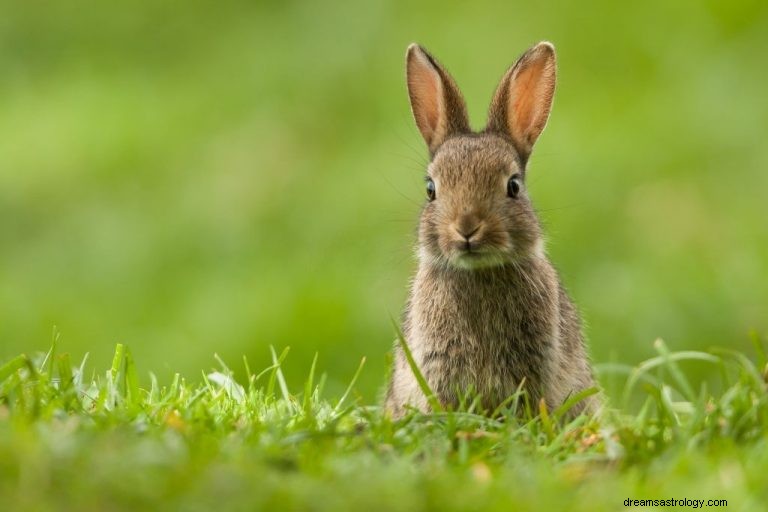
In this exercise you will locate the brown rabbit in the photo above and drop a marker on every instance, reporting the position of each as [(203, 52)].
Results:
[(486, 310)]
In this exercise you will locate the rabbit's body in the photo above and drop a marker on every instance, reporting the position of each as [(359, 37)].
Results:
[(489, 330), (486, 312)]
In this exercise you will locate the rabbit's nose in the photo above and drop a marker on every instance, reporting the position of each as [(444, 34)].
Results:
[(467, 233), (467, 226)]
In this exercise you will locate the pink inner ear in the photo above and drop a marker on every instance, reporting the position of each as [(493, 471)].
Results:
[(425, 93), (424, 89), (530, 98)]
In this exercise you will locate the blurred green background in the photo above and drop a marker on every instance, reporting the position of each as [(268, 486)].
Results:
[(194, 178)]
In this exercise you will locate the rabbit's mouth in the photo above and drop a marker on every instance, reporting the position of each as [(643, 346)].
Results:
[(473, 255)]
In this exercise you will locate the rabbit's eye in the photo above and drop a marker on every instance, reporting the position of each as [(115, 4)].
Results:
[(430, 189), (513, 186)]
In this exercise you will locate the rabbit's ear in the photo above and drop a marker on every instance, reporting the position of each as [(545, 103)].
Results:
[(436, 102), (521, 104)]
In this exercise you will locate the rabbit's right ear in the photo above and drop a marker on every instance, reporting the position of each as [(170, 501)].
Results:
[(437, 104), (522, 102)]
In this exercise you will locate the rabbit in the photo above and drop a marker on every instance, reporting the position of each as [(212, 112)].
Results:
[(486, 311)]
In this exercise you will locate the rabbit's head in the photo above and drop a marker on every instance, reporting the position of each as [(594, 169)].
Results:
[(478, 213)]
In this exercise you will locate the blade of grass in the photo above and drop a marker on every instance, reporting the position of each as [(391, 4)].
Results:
[(279, 373), (321, 384), (558, 442), (432, 400), (546, 421), (222, 364), (273, 371), (573, 400), (78, 380), (754, 337), (350, 386), (669, 406), (674, 370), (130, 378), (226, 382), (12, 366), (248, 375), (746, 366), (116, 360), (154, 389), (654, 362), (307, 405), (511, 398), (47, 363), (65, 371)]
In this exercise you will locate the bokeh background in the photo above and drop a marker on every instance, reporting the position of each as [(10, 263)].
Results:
[(192, 178)]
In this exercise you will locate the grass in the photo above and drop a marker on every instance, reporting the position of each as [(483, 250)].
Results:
[(74, 441)]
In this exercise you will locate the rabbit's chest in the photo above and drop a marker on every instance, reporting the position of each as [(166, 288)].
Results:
[(486, 339)]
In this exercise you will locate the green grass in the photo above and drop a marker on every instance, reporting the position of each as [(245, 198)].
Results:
[(74, 440)]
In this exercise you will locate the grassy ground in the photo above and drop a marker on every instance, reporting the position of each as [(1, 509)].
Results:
[(73, 440)]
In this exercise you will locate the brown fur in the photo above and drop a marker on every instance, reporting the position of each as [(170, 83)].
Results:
[(486, 310)]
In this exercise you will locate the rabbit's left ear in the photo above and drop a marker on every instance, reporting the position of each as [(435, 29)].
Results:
[(521, 104), (436, 102)]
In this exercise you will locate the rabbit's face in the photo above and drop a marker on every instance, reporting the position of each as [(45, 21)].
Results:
[(478, 213)]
